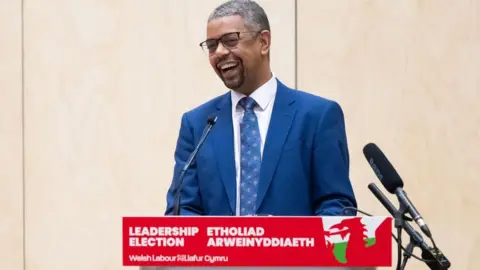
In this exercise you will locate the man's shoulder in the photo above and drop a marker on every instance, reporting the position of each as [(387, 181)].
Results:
[(308, 98), (315, 103)]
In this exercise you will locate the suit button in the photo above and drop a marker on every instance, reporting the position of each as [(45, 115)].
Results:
[(231, 213)]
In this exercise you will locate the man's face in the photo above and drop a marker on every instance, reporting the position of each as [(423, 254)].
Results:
[(234, 51)]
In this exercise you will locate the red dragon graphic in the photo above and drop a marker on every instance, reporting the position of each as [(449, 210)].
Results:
[(357, 248)]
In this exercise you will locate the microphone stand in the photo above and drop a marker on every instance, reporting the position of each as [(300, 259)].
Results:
[(433, 257), (407, 254), (400, 218), (399, 221)]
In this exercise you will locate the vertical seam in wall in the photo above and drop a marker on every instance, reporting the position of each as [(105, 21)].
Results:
[(295, 16), (22, 38)]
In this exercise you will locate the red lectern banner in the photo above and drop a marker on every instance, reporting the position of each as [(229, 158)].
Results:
[(257, 241)]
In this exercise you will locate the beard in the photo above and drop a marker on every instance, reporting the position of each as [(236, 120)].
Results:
[(234, 77)]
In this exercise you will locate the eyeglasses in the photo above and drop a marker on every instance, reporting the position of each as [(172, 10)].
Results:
[(228, 40)]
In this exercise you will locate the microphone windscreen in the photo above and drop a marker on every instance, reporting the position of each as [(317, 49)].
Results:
[(382, 168), (212, 119)]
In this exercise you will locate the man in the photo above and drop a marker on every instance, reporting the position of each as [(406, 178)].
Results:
[(273, 150)]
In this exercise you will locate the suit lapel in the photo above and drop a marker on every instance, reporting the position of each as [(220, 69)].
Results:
[(224, 148), (282, 117)]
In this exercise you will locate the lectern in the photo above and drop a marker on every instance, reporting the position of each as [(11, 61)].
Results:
[(179, 242)]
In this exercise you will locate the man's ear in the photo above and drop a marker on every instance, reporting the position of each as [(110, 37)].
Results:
[(265, 40)]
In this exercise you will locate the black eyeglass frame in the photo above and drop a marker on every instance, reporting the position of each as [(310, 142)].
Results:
[(222, 40)]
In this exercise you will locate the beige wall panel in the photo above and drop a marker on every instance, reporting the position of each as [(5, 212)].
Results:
[(107, 82), (11, 182), (407, 75)]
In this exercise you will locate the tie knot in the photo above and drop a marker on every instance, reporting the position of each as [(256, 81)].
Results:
[(247, 103)]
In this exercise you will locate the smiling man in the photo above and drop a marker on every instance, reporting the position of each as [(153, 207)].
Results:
[(274, 150)]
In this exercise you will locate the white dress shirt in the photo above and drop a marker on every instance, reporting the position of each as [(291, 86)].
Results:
[(265, 97)]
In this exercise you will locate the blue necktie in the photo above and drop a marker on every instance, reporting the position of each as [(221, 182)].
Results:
[(250, 157)]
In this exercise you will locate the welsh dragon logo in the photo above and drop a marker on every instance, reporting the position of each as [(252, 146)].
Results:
[(352, 241)]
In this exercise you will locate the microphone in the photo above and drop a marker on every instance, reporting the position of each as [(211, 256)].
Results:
[(433, 257), (392, 210), (212, 119), (392, 182)]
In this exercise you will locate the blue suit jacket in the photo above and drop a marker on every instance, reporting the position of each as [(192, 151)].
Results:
[(305, 164)]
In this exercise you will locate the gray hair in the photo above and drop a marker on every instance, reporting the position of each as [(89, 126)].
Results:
[(252, 13)]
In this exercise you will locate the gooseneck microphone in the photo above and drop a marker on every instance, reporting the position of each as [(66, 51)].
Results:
[(178, 191), (392, 182)]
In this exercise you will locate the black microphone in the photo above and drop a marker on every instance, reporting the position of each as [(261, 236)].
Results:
[(433, 257), (392, 210), (210, 122), (392, 182)]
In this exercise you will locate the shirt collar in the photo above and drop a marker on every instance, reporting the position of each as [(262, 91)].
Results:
[(262, 95)]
